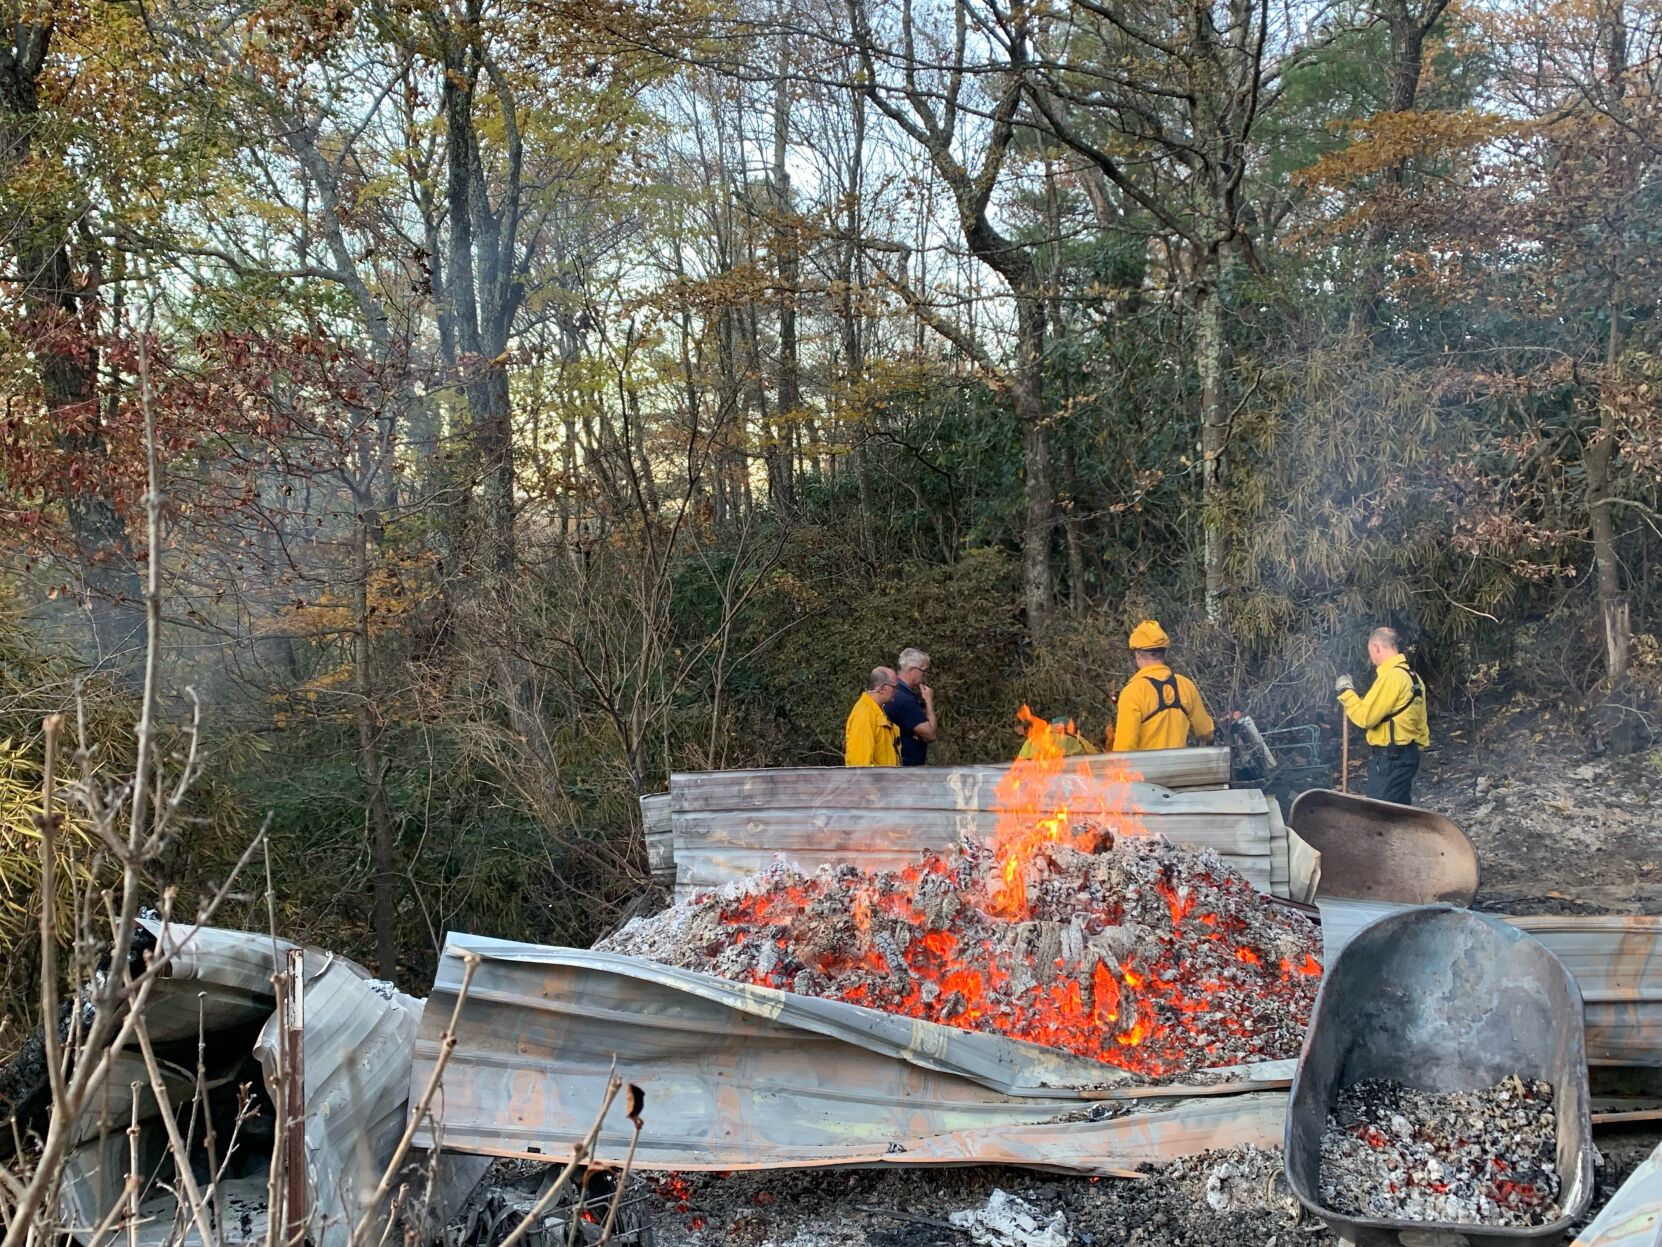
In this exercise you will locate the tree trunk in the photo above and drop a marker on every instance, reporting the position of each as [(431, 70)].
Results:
[(1077, 600), (1039, 511), (1407, 32), (67, 366), (493, 448), (482, 297), (382, 847), (1214, 436), (1613, 606), (789, 390), (854, 357)]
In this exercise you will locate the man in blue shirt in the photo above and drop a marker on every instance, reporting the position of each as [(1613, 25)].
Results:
[(912, 708)]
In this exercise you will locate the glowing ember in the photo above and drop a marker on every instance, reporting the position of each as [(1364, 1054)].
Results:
[(1478, 1157), (1076, 930)]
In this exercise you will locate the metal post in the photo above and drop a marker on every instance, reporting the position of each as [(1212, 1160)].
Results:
[(294, 1095)]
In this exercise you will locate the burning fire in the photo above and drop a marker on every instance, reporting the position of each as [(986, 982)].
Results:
[(1034, 802), (1076, 929)]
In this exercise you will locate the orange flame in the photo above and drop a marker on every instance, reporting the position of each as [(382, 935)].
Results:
[(1162, 1007), (1049, 797)]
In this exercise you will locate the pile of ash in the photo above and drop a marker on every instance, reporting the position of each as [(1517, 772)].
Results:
[(1154, 957), (1476, 1157)]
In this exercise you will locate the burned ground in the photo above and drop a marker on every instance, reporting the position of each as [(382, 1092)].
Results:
[(1237, 1198), (1557, 829)]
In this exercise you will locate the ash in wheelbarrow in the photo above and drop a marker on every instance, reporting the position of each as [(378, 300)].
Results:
[(1438, 1030)]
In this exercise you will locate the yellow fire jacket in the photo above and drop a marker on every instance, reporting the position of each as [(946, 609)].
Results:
[(1072, 744), (1393, 712), (869, 739), (1158, 710)]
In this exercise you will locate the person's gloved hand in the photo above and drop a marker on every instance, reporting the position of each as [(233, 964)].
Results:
[(1344, 684)]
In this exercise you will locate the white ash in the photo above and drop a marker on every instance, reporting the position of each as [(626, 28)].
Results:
[(1470, 1157), (1248, 1179), (1010, 1221)]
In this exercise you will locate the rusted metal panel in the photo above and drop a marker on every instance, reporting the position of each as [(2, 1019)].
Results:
[(1198, 820), (1280, 851), (715, 845), (1304, 869), (928, 787), (741, 1077), (660, 837)]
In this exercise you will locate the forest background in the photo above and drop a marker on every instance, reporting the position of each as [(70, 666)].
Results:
[(546, 397)]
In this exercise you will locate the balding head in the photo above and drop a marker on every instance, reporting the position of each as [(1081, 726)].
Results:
[(1383, 644), (881, 685)]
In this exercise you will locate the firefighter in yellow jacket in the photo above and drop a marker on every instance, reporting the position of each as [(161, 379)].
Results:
[(869, 738), (1393, 714), (1158, 709)]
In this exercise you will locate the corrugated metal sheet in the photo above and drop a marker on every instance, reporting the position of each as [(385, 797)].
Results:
[(931, 787), (1304, 867), (358, 1040), (1616, 960), (357, 1048), (811, 825), (1633, 1217), (660, 838), (739, 1076)]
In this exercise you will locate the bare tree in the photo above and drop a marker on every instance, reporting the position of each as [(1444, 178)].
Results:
[(1163, 101), (970, 144)]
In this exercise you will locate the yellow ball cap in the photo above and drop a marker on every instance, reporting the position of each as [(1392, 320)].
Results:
[(1149, 635)]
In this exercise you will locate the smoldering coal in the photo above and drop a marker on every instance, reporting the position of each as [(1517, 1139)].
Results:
[(1154, 957), (1485, 1157)]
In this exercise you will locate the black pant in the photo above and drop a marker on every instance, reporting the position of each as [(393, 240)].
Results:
[(1391, 770)]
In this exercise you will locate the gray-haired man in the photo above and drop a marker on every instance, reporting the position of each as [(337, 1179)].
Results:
[(912, 708)]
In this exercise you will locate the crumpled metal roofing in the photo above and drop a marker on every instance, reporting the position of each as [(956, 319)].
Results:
[(358, 1039), (738, 1076)]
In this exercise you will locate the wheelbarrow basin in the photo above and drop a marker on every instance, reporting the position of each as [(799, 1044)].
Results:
[(1442, 999), (1378, 851)]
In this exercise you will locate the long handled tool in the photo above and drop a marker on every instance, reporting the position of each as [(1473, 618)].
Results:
[(1344, 755)]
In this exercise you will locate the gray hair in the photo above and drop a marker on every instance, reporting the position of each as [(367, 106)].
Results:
[(1387, 637), (910, 659), (879, 677)]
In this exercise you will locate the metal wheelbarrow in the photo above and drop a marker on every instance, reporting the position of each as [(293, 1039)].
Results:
[(1376, 851), (1442, 999)]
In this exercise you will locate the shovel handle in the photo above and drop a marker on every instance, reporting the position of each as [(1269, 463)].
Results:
[(1344, 755)]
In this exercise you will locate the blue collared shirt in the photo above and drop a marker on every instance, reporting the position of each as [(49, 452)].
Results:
[(905, 710)]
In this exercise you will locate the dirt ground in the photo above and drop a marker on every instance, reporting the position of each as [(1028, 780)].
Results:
[(1558, 830)]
